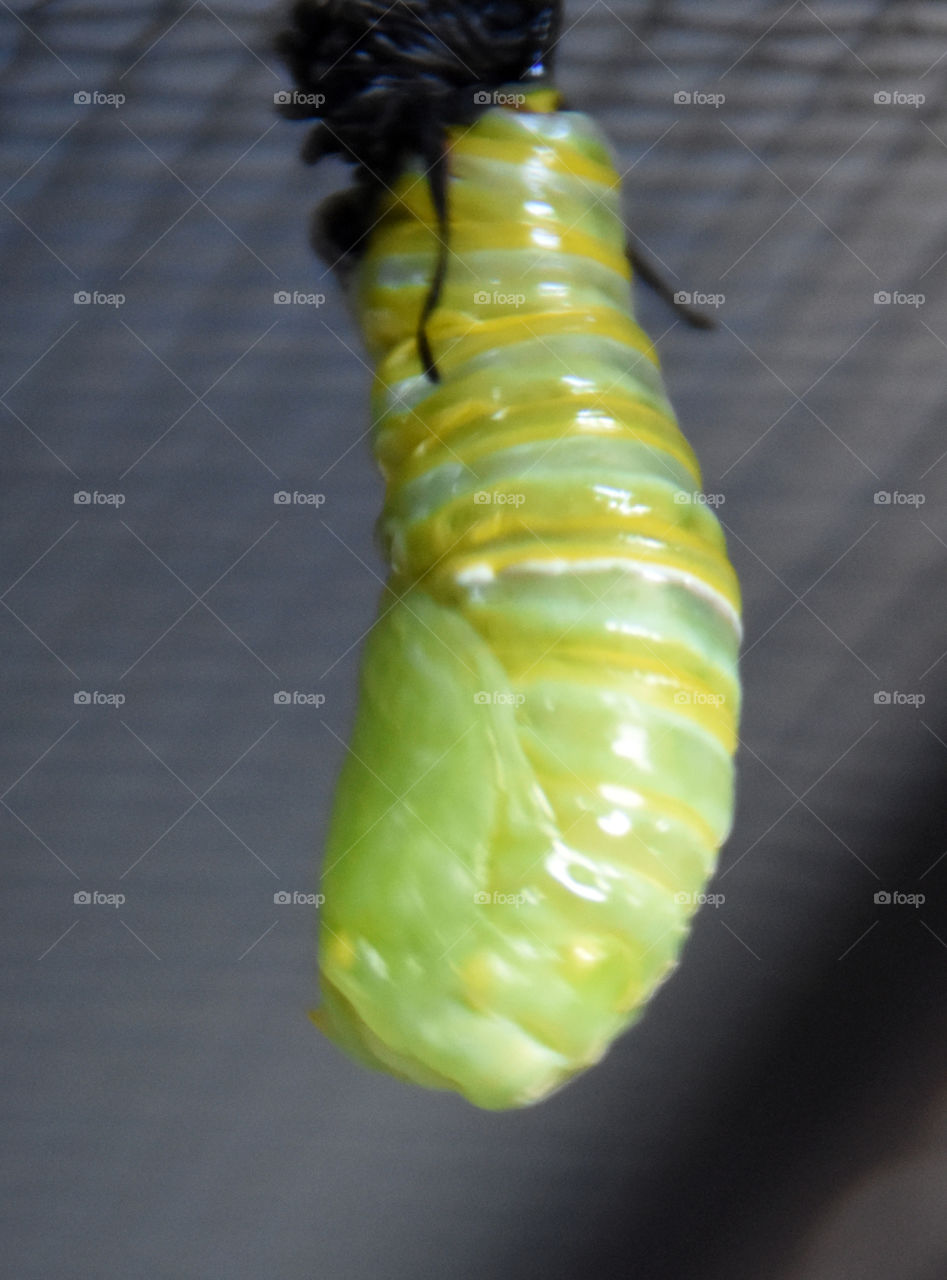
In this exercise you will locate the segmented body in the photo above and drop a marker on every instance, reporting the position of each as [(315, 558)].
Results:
[(541, 770)]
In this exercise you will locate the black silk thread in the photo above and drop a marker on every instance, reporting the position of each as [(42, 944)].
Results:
[(437, 185)]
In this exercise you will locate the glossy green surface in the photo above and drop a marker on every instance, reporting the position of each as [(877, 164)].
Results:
[(541, 770)]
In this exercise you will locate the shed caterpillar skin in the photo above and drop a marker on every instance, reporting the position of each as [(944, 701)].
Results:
[(541, 768)]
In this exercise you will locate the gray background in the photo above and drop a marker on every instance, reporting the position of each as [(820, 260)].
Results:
[(781, 1109)]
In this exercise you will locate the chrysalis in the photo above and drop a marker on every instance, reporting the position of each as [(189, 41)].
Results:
[(541, 773)]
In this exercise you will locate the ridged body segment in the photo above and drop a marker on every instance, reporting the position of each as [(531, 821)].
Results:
[(541, 770)]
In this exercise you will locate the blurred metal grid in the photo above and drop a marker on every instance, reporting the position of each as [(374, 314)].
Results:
[(171, 1113)]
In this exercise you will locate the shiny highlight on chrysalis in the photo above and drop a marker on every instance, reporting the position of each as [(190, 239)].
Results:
[(541, 770)]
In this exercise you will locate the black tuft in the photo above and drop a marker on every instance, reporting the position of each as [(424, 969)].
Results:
[(386, 77)]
